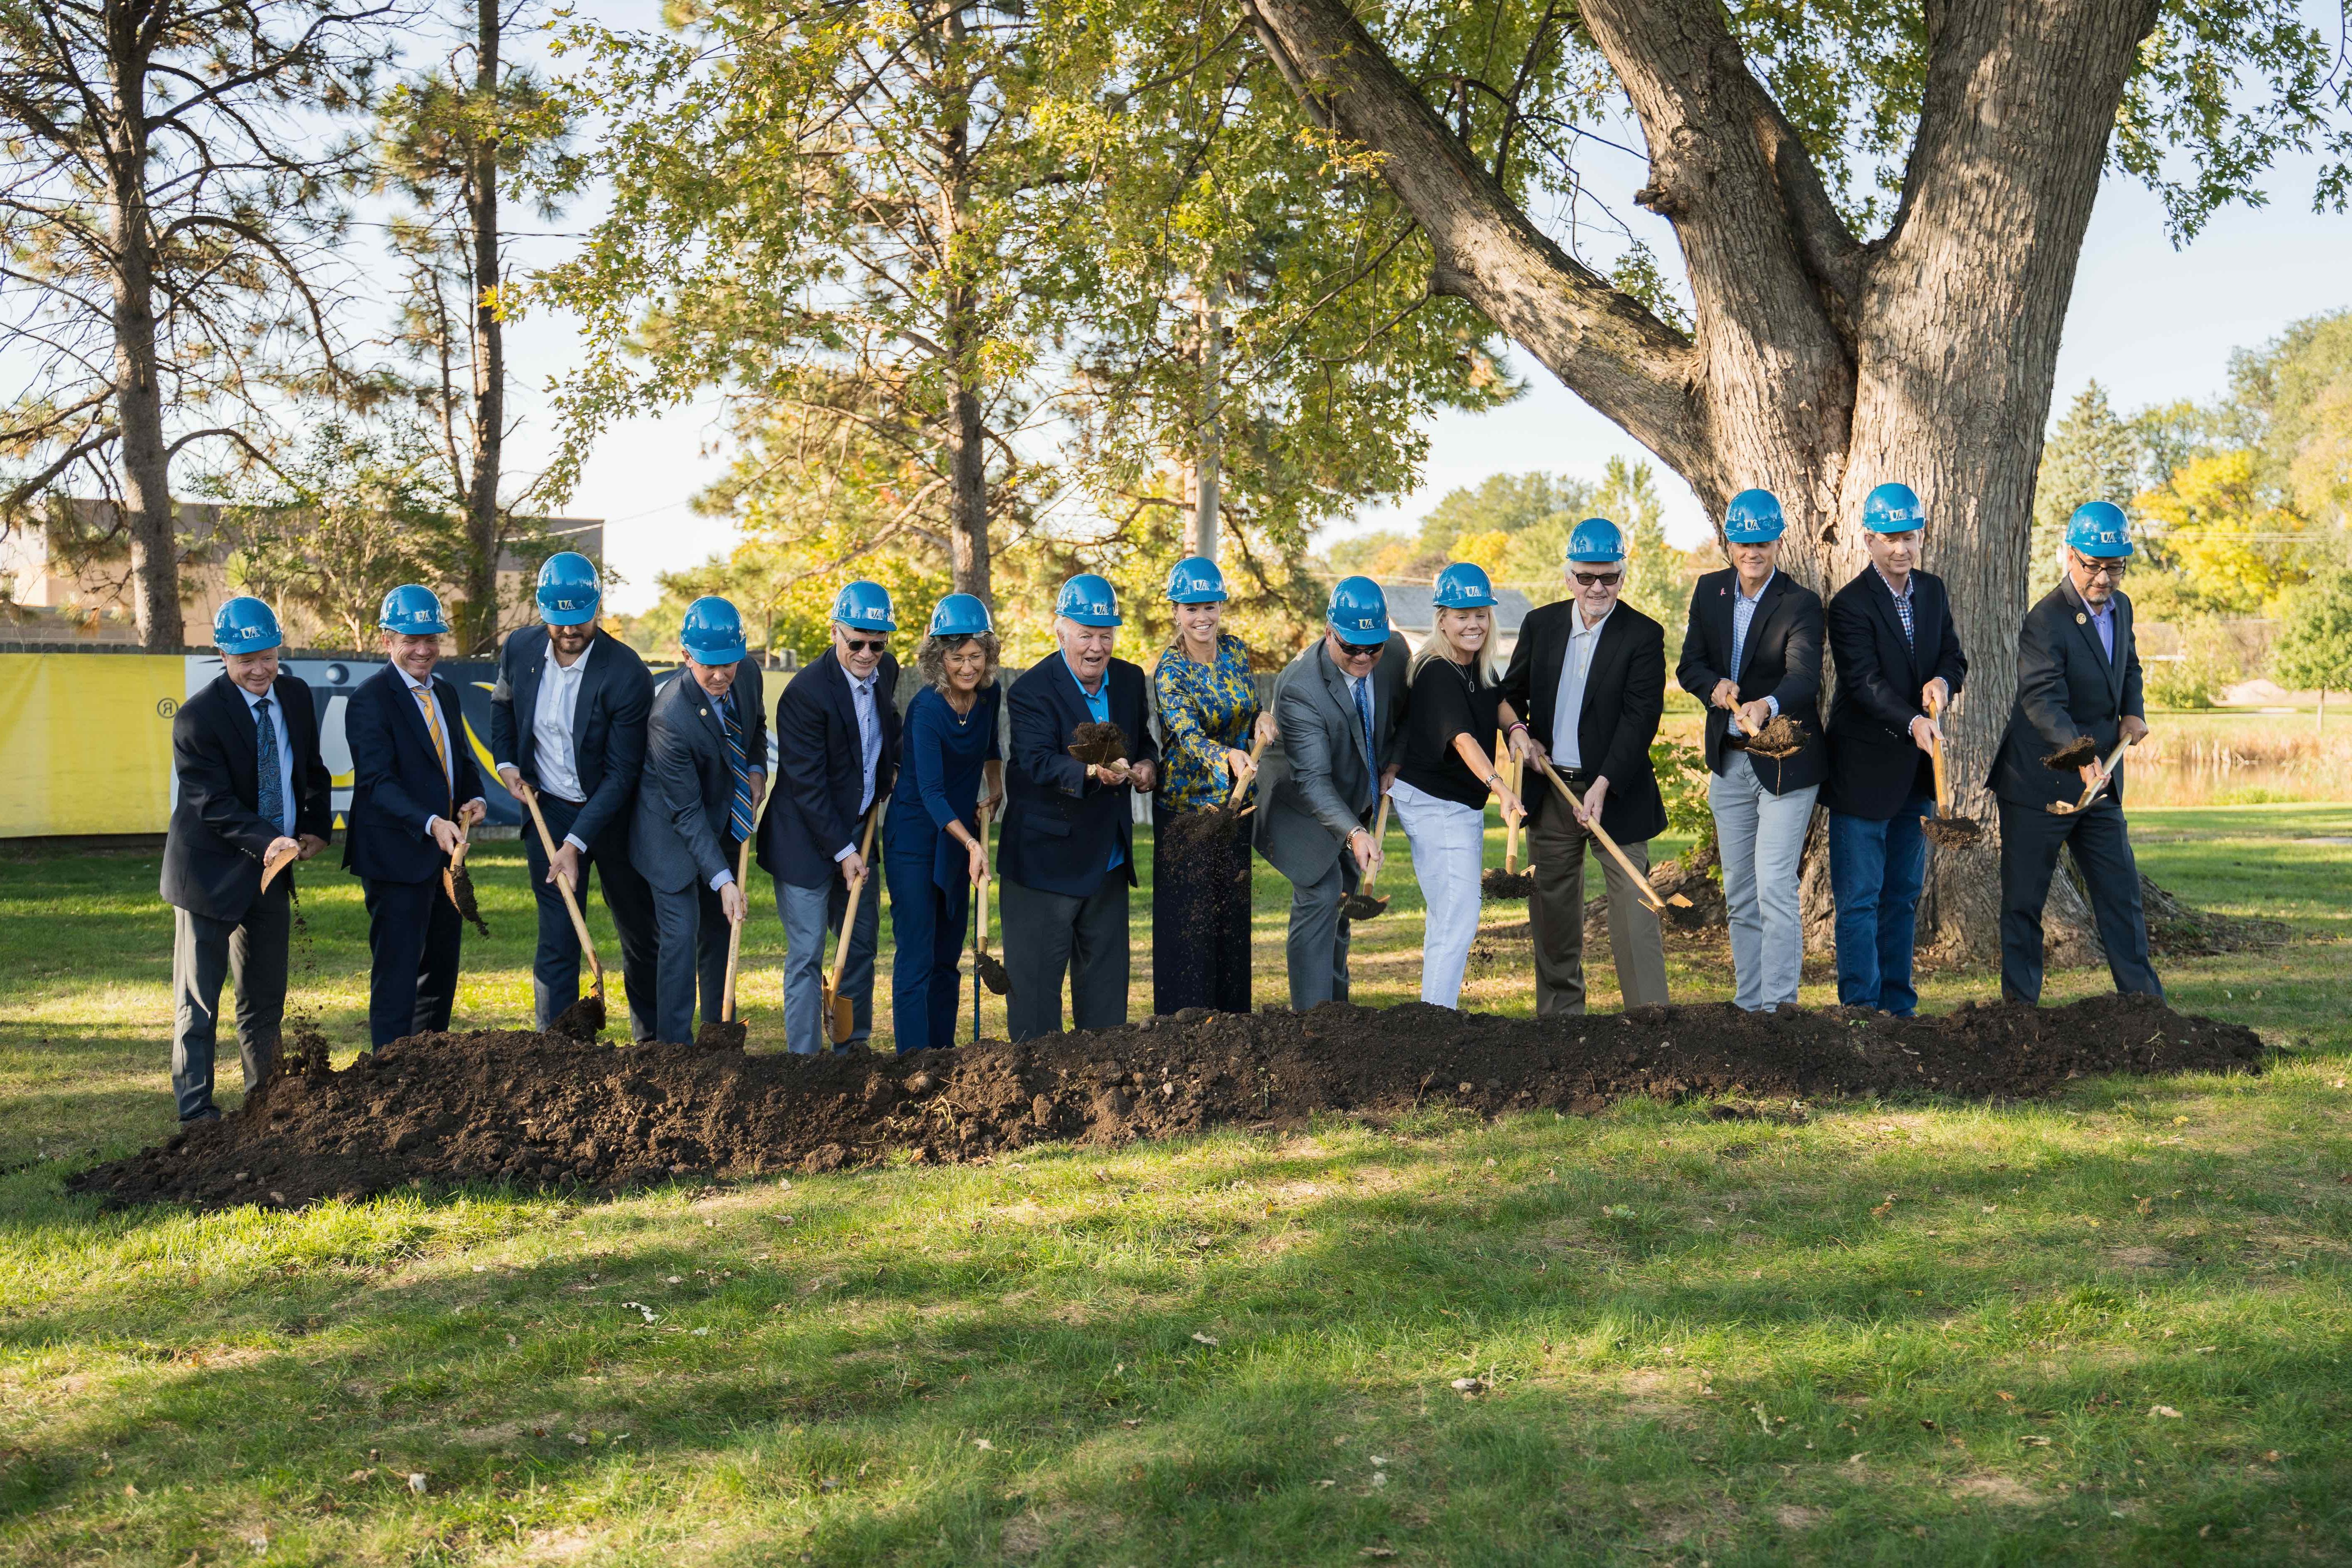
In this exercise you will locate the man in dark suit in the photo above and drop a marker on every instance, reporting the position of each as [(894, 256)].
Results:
[(1067, 844), (2078, 675), (836, 754), (1339, 714), (568, 726), (698, 800), (251, 790), (1589, 677), (1752, 653), (1899, 665), (415, 791)]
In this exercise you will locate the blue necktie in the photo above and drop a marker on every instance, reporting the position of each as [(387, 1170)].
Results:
[(738, 812), (265, 747), (1364, 711)]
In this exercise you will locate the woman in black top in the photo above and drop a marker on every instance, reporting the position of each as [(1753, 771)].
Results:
[(1442, 786)]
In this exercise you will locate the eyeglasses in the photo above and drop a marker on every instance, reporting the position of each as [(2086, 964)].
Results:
[(2112, 571), (1351, 652), (859, 644), (1597, 580)]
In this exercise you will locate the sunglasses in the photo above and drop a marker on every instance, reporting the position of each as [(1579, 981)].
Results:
[(859, 644), (1350, 652), (1597, 580), (2110, 569)]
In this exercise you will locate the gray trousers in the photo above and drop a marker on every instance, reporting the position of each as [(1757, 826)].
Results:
[(808, 913), (1761, 836), (252, 954), (1047, 935), (1557, 843), (1315, 951), (692, 929)]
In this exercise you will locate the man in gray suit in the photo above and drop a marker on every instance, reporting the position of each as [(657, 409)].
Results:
[(1339, 709)]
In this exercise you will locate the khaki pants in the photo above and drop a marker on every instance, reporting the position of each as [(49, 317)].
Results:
[(1557, 843)]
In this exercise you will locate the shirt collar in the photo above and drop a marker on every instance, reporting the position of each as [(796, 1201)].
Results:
[(577, 666), (411, 681), (1576, 627), (1757, 595), (252, 701), (1910, 580), (1082, 685), (2100, 611)]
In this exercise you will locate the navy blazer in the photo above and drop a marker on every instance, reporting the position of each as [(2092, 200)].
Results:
[(820, 770), (1782, 658), (397, 785), (681, 836), (608, 724), (212, 857), (1060, 824), (2066, 686), (1624, 698), (1874, 765)]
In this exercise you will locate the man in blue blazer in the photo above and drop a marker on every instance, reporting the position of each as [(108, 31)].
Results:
[(414, 790), (2078, 675), (1899, 665), (697, 798), (1068, 850), (568, 725), (245, 755), (836, 754)]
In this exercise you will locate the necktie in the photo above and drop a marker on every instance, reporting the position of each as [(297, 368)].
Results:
[(738, 811), (424, 695), (265, 749), (1364, 712)]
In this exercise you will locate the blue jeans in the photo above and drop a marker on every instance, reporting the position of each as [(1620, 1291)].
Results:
[(1876, 869)]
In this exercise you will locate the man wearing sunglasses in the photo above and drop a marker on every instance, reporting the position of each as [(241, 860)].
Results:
[(2078, 674), (836, 746)]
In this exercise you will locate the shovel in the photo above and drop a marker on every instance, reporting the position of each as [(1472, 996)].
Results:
[(277, 863), (585, 1019), (840, 1013), (1601, 836), (990, 969), (458, 882), (1946, 829), (2091, 791), (1510, 885), (1361, 905), (1197, 827), (727, 1031)]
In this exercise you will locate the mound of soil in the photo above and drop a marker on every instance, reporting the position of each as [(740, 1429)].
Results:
[(1099, 745), (541, 1109)]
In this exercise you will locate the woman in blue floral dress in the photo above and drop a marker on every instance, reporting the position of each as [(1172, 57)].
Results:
[(1209, 714)]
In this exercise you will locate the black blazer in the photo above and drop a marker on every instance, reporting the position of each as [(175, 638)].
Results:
[(211, 856), (1060, 824), (1874, 766), (396, 780), (1780, 659), (608, 725), (1624, 694), (820, 770), (681, 836), (2066, 686)]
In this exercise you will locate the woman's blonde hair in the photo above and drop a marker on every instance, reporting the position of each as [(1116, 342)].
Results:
[(931, 658), (1434, 646)]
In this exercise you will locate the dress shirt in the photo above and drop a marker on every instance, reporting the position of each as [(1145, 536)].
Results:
[(1575, 663), (1743, 612), (551, 731), (285, 756), (1902, 603), (2104, 617), (869, 730), (449, 743), (1097, 704)]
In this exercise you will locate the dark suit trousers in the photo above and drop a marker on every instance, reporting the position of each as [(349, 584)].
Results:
[(555, 971), (204, 953), (1047, 935), (2030, 839), (414, 936), (1200, 920), (928, 922), (690, 926)]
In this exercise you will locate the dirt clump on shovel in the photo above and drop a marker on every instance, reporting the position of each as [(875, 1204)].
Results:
[(2080, 751), (542, 1111), (584, 1020), (1506, 885), (461, 893), (1099, 745), (1951, 832), (1781, 738), (722, 1035)]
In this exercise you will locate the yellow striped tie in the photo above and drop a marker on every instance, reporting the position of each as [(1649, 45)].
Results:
[(440, 742)]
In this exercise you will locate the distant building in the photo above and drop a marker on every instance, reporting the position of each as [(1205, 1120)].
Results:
[(1411, 612)]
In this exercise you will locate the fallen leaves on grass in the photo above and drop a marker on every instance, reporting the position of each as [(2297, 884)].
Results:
[(1205, 1339), (2166, 1411)]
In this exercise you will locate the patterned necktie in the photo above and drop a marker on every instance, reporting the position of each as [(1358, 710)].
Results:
[(424, 695), (1364, 711), (738, 811), (265, 748)]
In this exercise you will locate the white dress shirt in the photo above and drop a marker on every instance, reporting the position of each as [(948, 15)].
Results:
[(1575, 665), (869, 731), (437, 722), (284, 754)]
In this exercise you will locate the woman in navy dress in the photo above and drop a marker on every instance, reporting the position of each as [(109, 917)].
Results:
[(934, 858)]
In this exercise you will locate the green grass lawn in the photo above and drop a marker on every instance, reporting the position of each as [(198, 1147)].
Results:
[(2115, 1327)]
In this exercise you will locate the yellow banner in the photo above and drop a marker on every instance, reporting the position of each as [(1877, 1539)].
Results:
[(85, 742)]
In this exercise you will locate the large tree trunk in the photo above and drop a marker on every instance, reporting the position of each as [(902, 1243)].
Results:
[(1821, 366), (483, 525), (145, 457), (968, 432)]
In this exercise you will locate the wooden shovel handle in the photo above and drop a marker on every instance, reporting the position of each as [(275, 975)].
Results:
[(987, 875), (2106, 770), (1600, 836), (1936, 754), (1511, 828), (849, 915), (735, 931), (1379, 837), (1257, 749), (563, 886)]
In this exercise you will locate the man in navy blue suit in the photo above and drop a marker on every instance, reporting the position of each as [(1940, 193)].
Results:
[(252, 789), (568, 725), (1899, 665), (1067, 843), (836, 753), (414, 790), (706, 769)]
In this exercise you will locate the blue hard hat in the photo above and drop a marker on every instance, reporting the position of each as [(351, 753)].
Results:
[(1089, 600), (413, 610), (1892, 509), (2099, 528), (569, 590), (1196, 581), (712, 632), (246, 624), (865, 606), (960, 615), (1753, 518), (1462, 586), (1596, 539), (1359, 612)]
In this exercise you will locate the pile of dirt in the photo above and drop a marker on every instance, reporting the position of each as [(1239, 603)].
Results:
[(1099, 745), (541, 1110)]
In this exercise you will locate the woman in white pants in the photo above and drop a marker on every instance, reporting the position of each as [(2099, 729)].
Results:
[(1442, 785)]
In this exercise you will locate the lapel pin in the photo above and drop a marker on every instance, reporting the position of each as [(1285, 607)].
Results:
[(2081, 619)]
